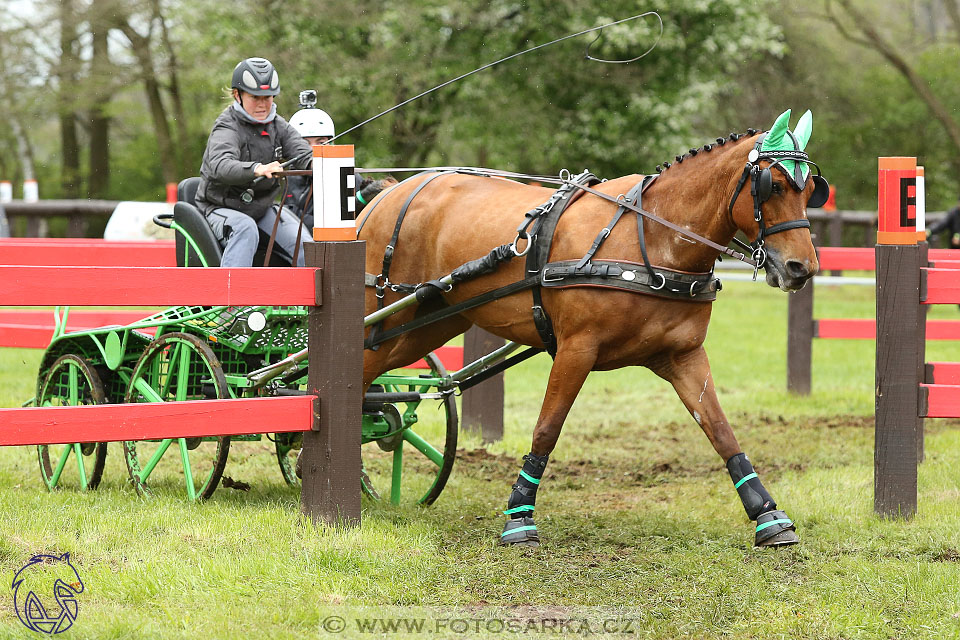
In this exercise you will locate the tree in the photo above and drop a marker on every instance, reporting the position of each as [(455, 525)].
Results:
[(852, 19)]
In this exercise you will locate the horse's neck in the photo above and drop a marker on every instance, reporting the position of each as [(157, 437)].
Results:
[(695, 206)]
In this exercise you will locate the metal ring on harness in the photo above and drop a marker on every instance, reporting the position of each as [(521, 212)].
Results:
[(759, 256), (693, 285), (561, 175), (663, 282), (521, 235)]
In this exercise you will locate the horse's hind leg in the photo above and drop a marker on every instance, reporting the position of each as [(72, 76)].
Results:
[(689, 373), (570, 368)]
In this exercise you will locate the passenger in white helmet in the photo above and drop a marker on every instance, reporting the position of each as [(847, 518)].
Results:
[(316, 127), (248, 141)]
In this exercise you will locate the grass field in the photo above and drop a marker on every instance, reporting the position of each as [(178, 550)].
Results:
[(638, 515)]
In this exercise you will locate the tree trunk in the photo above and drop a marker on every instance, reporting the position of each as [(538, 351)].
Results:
[(66, 74), (141, 49), (98, 182), (179, 116), (920, 85)]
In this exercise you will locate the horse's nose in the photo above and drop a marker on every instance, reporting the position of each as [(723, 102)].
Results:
[(798, 269)]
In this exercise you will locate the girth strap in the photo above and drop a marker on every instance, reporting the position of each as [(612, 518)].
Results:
[(632, 276), (539, 251)]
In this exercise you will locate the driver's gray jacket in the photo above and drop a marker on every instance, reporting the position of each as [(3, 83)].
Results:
[(234, 148)]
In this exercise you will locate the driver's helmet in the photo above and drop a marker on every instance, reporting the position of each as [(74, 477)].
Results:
[(257, 77)]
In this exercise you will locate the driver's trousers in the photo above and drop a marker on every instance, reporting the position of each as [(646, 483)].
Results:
[(241, 233)]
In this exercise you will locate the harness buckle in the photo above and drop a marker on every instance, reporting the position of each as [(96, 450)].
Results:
[(556, 278), (380, 287)]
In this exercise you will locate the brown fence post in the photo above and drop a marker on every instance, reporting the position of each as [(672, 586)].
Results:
[(331, 452), (482, 405), (897, 355), (800, 339)]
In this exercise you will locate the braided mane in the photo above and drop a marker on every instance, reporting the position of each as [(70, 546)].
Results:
[(733, 137)]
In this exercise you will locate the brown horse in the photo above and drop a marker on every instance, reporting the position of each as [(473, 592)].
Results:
[(457, 218)]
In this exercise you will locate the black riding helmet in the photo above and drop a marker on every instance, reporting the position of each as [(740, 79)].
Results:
[(257, 77)]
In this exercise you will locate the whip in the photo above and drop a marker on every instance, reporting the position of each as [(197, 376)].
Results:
[(247, 195)]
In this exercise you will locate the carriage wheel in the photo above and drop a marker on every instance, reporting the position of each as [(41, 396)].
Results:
[(418, 459), (177, 367), (288, 446), (72, 381)]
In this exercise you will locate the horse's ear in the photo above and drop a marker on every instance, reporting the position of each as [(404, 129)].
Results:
[(774, 137), (804, 129)]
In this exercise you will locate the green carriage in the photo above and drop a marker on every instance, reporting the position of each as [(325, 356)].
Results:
[(192, 353), (201, 353)]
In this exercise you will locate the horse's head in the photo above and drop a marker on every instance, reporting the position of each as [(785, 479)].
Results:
[(770, 201)]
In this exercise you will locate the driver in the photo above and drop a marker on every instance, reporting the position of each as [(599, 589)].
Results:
[(248, 140)]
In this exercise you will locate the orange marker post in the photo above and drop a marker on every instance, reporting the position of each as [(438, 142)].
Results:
[(334, 193), (897, 201)]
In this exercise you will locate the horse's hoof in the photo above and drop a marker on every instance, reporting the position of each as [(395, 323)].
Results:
[(521, 532), (775, 529)]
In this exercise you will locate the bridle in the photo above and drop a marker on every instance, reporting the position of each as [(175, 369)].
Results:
[(761, 188)]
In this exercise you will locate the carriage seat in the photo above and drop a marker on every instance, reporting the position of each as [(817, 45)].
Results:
[(189, 218)]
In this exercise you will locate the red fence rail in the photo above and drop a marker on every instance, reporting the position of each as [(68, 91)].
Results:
[(803, 328), (334, 295)]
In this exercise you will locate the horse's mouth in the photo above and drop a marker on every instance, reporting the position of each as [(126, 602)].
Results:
[(787, 278)]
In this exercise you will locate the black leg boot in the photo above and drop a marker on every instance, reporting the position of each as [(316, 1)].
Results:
[(520, 529), (774, 528)]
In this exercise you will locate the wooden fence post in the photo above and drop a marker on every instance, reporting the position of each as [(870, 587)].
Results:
[(897, 354), (800, 339), (482, 405), (331, 452)]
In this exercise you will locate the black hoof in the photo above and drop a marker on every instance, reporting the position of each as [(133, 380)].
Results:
[(521, 532), (775, 529)]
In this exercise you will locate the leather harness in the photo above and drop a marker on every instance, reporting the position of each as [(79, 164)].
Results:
[(538, 229)]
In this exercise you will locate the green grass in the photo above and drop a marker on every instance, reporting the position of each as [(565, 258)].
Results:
[(637, 512)]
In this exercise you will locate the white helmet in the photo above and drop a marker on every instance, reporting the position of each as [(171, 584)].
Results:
[(312, 122)]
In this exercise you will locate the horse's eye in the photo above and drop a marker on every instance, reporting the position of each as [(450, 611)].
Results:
[(777, 189)]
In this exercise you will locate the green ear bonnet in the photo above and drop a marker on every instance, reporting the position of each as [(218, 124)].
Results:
[(786, 149)]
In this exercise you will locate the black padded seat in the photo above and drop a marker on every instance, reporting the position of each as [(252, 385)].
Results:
[(186, 215)]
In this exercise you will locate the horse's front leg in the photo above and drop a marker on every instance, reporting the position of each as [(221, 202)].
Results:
[(570, 368), (689, 373)]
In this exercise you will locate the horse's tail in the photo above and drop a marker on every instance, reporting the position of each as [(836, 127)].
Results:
[(368, 189)]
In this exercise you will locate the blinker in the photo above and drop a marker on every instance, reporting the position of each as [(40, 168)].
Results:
[(821, 191), (765, 184)]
